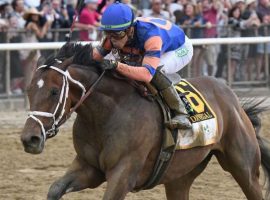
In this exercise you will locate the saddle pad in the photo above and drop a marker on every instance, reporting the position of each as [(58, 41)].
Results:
[(204, 121)]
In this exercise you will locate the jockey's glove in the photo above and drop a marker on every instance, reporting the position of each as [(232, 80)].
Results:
[(108, 64)]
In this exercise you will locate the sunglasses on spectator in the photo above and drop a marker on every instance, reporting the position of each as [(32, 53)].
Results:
[(117, 35)]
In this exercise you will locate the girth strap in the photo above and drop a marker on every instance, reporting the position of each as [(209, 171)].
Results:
[(167, 150)]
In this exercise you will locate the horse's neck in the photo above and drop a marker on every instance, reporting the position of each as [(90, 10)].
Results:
[(105, 98), (114, 110)]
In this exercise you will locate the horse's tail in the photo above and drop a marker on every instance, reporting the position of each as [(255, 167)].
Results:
[(253, 108)]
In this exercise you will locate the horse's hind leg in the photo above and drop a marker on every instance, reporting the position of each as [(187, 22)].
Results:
[(241, 157), (179, 188), (77, 178)]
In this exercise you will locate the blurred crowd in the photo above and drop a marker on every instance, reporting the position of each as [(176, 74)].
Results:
[(50, 20)]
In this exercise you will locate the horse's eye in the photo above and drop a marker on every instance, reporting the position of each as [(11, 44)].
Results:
[(54, 91)]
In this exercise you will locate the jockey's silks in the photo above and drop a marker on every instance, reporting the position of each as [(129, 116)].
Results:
[(157, 36), (152, 38)]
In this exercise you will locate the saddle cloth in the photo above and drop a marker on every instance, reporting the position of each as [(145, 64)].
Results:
[(204, 121)]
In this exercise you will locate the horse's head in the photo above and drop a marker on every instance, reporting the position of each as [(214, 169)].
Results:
[(49, 100)]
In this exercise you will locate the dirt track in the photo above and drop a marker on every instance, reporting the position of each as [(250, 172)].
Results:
[(28, 177)]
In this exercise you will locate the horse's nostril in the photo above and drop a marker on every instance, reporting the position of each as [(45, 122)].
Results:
[(35, 140)]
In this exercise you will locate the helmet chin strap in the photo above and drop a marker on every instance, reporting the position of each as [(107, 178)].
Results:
[(131, 35), (132, 25), (131, 32)]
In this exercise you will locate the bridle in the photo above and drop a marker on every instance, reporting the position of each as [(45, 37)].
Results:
[(64, 92), (58, 121)]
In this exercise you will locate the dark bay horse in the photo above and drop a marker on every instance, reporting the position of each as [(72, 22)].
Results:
[(117, 133)]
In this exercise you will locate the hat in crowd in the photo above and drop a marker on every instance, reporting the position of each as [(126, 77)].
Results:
[(90, 1), (250, 2), (31, 11), (238, 1)]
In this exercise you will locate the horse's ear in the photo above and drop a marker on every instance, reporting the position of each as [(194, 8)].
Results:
[(66, 63), (41, 61)]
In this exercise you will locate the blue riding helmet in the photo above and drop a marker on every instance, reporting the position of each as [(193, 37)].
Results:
[(117, 17)]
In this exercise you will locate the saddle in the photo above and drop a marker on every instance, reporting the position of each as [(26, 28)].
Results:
[(169, 140)]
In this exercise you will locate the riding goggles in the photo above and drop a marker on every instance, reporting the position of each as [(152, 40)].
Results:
[(117, 35)]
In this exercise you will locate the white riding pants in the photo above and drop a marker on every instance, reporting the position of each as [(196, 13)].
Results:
[(175, 60)]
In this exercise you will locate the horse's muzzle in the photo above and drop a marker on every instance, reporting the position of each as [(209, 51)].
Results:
[(32, 143)]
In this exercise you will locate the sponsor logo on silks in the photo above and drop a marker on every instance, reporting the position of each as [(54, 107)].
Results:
[(181, 52)]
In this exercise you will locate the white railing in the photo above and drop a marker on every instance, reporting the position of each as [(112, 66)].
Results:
[(32, 46), (56, 45), (202, 41)]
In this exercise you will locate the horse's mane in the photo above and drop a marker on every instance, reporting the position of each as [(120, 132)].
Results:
[(82, 58), (82, 55)]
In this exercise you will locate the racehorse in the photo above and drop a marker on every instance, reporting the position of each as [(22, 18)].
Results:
[(117, 133)]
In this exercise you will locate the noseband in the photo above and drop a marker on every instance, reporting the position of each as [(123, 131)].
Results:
[(62, 100)]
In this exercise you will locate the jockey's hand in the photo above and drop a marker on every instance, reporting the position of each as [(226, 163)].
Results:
[(108, 64)]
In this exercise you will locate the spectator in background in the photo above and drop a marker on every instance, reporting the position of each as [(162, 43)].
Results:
[(134, 7), (34, 26), (34, 31), (171, 7), (223, 31), (263, 11), (222, 58), (193, 21), (47, 15), (4, 11), (235, 31), (60, 19), (222, 17), (240, 4), (16, 70), (210, 10), (32, 3), (157, 11), (108, 2), (18, 10), (182, 3), (71, 5), (251, 23), (178, 14), (88, 21), (17, 25), (144, 4)]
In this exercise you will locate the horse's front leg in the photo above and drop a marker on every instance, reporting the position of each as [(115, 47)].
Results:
[(121, 179), (78, 177)]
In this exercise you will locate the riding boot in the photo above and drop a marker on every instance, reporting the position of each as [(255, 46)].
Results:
[(171, 97)]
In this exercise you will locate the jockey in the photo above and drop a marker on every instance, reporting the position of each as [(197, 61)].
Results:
[(154, 42)]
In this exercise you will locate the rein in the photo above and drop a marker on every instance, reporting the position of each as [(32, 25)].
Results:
[(62, 100), (91, 89)]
